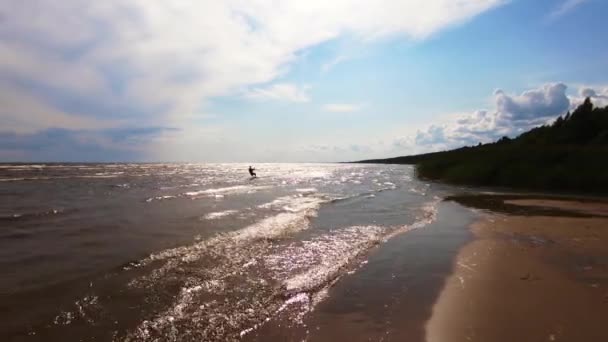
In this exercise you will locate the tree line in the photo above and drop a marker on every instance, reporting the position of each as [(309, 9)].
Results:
[(570, 154)]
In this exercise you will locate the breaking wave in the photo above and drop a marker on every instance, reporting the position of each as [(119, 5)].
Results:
[(253, 277), (255, 262), (220, 214), (217, 193), (30, 215)]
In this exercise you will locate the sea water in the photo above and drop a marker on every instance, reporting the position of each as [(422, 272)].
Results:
[(188, 251)]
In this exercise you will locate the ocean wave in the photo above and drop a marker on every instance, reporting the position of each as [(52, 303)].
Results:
[(217, 193), (227, 285), (250, 299), (319, 261), (16, 179), (267, 229), (219, 214), (294, 203), (306, 191), (418, 191), (85, 309), (25, 216), (236, 273), (160, 198), (427, 215), (11, 179), (222, 191), (23, 167), (98, 176), (254, 280), (386, 186)]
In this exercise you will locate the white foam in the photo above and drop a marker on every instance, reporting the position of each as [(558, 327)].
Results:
[(83, 308), (22, 167), (96, 176), (236, 252), (160, 198), (418, 191), (428, 216), (213, 193), (268, 228), (235, 282), (223, 191), (308, 266), (273, 227), (307, 190), (220, 214), (294, 203), (319, 261)]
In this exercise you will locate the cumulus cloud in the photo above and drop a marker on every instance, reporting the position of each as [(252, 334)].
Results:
[(341, 107), (22, 112), (280, 92), (599, 96), (512, 115), (534, 104), (167, 58)]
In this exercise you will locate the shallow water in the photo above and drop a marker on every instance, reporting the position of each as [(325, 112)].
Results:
[(189, 251)]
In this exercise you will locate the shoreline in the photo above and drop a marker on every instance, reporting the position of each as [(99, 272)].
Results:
[(389, 295), (536, 270)]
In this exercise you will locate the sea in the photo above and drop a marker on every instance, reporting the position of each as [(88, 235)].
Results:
[(204, 252)]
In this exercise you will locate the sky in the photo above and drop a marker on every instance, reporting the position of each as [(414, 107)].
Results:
[(288, 81)]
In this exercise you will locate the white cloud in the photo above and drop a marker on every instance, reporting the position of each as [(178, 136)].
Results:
[(548, 100), (47, 68), (341, 107), (280, 92), (563, 8), (35, 114), (512, 115), (167, 58), (598, 95)]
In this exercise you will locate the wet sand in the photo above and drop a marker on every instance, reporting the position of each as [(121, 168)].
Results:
[(535, 273)]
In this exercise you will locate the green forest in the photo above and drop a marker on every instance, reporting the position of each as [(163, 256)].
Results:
[(569, 155)]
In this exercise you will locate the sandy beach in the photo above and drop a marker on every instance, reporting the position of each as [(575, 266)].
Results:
[(539, 273)]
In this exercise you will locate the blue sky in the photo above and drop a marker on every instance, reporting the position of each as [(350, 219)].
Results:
[(262, 81)]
